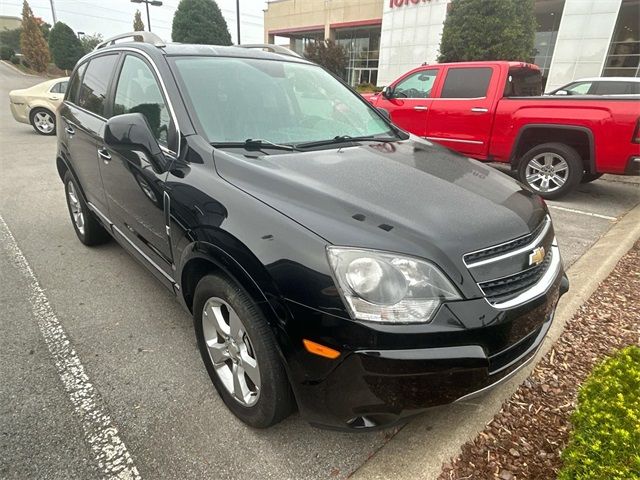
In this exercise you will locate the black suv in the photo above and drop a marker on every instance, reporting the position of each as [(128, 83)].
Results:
[(330, 260)]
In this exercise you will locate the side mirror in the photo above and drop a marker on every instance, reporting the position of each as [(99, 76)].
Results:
[(562, 92), (387, 92), (131, 131)]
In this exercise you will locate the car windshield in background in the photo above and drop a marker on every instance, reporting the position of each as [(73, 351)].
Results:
[(236, 99)]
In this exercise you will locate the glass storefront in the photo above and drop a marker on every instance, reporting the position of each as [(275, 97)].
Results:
[(548, 15), (623, 59), (363, 49), (298, 42)]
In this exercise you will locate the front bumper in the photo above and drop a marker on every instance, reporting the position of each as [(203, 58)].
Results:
[(379, 387)]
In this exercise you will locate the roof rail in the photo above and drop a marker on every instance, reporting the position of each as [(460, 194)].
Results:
[(272, 48), (142, 36)]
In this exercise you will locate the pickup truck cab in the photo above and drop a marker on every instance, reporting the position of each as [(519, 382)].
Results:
[(494, 111)]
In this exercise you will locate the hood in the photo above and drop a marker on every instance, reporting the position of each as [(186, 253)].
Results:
[(411, 196)]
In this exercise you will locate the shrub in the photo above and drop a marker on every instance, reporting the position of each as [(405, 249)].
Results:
[(367, 88), (605, 443), (65, 47), (15, 60), (6, 52)]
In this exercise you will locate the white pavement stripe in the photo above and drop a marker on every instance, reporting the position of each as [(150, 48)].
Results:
[(109, 450), (582, 212)]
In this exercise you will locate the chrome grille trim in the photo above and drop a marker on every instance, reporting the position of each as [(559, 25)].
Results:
[(529, 246)]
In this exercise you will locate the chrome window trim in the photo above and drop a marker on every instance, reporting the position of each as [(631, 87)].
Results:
[(528, 246), (459, 140)]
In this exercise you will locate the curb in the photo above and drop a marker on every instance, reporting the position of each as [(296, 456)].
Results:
[(419, 450), (17, 70)]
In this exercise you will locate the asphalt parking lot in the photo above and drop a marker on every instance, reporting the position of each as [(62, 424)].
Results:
[(137, 348)]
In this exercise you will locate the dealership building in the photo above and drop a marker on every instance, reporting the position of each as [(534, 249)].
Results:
[(385, 38)]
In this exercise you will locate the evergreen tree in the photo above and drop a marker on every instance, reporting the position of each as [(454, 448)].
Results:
[(488, 30), (33, 46), (89, 42), (138, 25), (66, 48), (200, 21)]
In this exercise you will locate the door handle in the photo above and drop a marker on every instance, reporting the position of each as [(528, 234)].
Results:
[(105, 155), (420, 107), (53, 98), (480, 109), (69, 129)]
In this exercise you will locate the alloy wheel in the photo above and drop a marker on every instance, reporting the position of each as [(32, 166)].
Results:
[(547, 172), (231, 351), (76, 208), (44, 122)]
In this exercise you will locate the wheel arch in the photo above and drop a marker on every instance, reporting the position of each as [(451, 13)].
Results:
[(577, 137), (63, 166)]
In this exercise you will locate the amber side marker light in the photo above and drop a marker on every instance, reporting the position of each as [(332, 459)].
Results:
[(321, 350)]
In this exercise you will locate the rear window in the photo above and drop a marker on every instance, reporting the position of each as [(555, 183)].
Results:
[(523, 82), (616, 88), (472, 82), (93, 91), (74, 84), (59, 87)]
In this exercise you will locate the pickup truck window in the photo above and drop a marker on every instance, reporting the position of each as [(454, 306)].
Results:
[(418, 85), (466, 82)]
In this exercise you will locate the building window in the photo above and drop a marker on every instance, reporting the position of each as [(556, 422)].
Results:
[(548, 15), (623, 59), (363, 49)]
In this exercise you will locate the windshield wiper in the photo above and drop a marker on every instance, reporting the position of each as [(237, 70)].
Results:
[(255, 144), (344, 139)]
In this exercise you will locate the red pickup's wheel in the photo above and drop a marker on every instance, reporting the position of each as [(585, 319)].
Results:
[(551, 170)]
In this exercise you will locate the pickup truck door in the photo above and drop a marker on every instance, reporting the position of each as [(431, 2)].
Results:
[(135, 190), (461, 114), (410, 100)]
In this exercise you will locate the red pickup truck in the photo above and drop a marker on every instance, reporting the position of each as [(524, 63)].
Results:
[(494, 111)]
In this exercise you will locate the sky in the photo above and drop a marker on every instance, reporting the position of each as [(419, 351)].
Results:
[(111, 17)]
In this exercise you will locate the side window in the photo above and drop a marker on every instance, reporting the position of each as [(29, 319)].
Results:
[(611, 88), (138, 91), (59, 87), (74, 84), (93, 90), (467, 82), (418, 85), (581, 88)]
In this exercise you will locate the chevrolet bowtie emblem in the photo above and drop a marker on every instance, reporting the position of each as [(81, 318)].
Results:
[(537, 256)]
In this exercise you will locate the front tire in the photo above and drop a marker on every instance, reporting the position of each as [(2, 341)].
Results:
[(87, 228), (551, 170), (240, 353), (43, 121)]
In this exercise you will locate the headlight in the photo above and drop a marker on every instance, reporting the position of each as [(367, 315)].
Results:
[(389, 288)]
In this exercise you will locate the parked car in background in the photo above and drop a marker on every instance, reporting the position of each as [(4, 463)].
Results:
[(329, 260), (494, 111), (37, 105), (600, 86)]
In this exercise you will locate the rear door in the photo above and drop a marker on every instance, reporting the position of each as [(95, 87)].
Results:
[(411, 100), (135, 191), (83, 120), (461, 115)]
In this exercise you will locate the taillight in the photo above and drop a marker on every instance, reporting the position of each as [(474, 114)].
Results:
[(636, 133)]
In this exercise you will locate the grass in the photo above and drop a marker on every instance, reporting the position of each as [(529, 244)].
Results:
[(605, 442)]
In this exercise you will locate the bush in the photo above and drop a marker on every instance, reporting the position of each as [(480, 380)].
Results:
[(6, 53), (15, 60), (605, 443), (367, 88)]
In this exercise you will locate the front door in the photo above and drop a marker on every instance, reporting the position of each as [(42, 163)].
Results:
[(134, 188), (410, 101), (461, 115)]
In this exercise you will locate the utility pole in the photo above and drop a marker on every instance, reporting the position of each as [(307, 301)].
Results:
[(155, 3), (238, 18), (53, 12)]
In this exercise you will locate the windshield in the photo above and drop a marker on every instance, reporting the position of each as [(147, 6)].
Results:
[(235, 99)]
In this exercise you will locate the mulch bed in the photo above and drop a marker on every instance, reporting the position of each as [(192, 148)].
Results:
[(525, 439)]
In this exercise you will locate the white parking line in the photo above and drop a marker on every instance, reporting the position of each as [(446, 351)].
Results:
[(109, 450), (582, 212)]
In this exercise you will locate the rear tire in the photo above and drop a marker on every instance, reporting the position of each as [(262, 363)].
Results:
[(248, 372), (551, 170), (43, 121), (88, 229)]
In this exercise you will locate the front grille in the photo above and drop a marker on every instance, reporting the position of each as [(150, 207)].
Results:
[(506, 247), (506, 288)]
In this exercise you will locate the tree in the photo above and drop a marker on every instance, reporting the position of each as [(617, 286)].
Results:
[(138, 25), (200, 21), (65, 47), (11, 38), (32, 43), (89, 42), (488, 30), (329, 54)]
